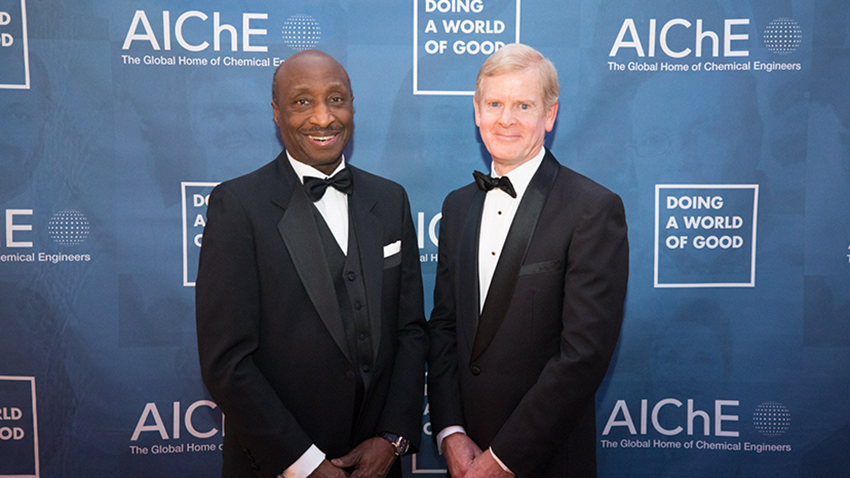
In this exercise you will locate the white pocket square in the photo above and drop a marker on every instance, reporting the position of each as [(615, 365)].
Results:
[(393, 248)]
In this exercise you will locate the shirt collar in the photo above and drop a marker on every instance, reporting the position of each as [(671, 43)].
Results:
[(521, 175), (303, 170)]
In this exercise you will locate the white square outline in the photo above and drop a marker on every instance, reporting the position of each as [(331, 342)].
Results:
[(417, 471), (416, 90), (34, 424), (752, 282), (183, 185), (25, 36)]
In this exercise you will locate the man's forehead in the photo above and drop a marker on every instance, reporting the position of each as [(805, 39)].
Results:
[(311, 62), (310, 86), (506, 79), (506, 84), (304, 74)]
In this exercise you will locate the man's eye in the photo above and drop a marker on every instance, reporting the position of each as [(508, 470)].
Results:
[(494, 104), (524, 106), (337, 99), (302, 102)]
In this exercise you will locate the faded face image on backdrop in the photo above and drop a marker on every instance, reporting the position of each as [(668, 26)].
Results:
[(228, 120), (22, 142)]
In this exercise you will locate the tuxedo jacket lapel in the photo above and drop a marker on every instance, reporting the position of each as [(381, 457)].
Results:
[(369, 239), (468, 300), (298, 229), (501, 291)]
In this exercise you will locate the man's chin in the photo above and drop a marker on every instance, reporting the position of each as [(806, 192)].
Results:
[(319, 159), (325, 157)]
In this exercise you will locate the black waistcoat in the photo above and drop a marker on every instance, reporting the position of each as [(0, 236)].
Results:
[(347, 275)]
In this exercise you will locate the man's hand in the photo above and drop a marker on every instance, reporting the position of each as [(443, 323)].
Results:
[(485, 466), (370, 459), (327, 470), (459, 451)]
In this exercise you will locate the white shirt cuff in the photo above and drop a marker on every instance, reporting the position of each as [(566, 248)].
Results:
[(305, 464), (446, 432), (504, 467)]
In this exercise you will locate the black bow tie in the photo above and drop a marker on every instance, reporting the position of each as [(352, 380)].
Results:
[(487, 183), (341, 181)]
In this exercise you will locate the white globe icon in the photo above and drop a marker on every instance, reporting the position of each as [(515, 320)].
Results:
[(301, 32), (68, 227), (782, 36), (771, 419)]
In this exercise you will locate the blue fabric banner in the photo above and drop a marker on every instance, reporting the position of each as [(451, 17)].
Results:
[(724, 126)]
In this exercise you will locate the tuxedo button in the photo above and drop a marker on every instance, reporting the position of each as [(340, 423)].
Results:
[(476, 370), (349, 375), (357, 306), (363, 336), (366, 369), (352, 275)]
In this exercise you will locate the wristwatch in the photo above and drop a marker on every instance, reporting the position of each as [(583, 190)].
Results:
[(399, 443)]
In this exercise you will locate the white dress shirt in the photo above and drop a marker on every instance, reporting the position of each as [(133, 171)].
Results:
[(496, 219), (334, 204), (334, 209)]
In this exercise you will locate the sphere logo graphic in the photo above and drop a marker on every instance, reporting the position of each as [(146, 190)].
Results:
[(68, 227), (301, 32), (782, 36), (771, 419)]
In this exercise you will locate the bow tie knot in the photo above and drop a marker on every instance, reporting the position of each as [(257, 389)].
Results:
[(341, 181), (487, 183)]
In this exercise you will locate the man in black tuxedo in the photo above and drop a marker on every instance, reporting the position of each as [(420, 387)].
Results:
[(311, 330), (528, 302)]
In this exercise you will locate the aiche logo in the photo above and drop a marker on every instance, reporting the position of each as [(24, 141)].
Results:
[(193, 38), (14, 48), (23, 228), (719, 416), (193, 32), (771, 419), (301, 32), (783, 36), (679, 38), (201, 420), (691, 424), (68, 227)]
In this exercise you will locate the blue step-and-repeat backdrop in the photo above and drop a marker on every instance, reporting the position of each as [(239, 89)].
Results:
[(724, 125)]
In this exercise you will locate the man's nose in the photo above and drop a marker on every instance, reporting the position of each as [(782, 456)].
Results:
[(322, 115), (506, 117)]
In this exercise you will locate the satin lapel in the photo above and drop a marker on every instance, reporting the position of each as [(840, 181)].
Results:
[(369, 240), (298, 229), (467, 294), (513, 252)]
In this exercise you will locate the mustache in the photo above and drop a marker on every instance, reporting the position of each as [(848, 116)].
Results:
[(324, 130)]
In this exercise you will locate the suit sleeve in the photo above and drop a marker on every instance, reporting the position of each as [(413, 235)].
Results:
[(443, 376), (227, 314), (594, 292), (403, 408)]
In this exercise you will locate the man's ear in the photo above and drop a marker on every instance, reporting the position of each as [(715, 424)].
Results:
[(551, 114), (477, 114), (276, 114)]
